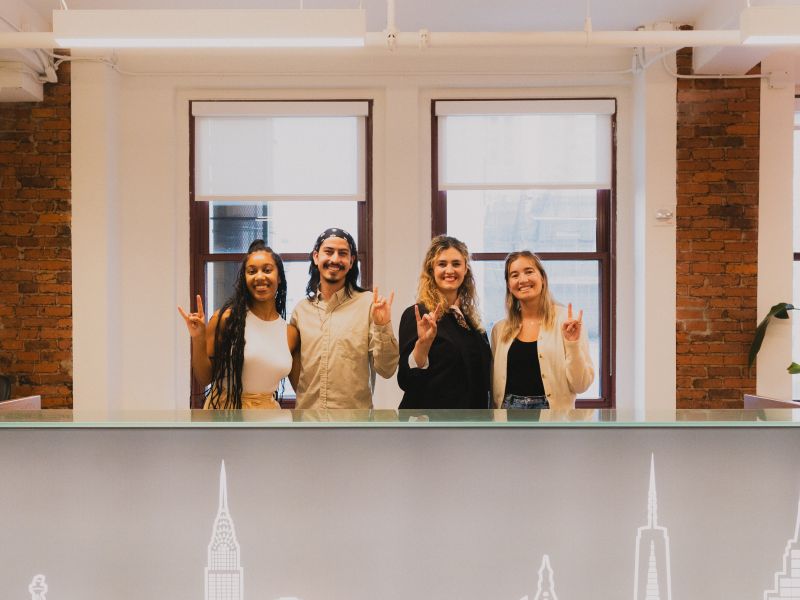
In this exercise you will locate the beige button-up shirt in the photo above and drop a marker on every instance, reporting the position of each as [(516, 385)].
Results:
[(341, 349)]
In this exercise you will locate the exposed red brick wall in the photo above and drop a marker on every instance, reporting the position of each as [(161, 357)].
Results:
[(35, 245), (717, 236)]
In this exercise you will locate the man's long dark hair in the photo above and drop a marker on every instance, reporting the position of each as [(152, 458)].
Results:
[(350, 280), (226, 366)]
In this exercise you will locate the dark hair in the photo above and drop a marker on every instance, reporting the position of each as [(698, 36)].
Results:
[(351, 279), (226, 367)]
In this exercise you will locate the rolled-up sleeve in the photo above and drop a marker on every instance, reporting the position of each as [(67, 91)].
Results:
[(383, 349)]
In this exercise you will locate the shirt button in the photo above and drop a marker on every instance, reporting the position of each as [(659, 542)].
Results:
[(540, 356)]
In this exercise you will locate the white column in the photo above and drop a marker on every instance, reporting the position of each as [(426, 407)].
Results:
[(654, 143), (95, 255), (401, 195), (775, 224)]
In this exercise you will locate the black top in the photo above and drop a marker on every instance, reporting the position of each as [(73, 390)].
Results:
[(523, 375), (459, 370)]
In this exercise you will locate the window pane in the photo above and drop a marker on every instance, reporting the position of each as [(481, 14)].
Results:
[(220, 281), (285, 226), (540, 220), (262, 155), (572, 281), (535, 149)]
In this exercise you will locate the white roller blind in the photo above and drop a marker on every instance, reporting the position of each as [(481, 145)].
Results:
[(263, 151), (525, 144)]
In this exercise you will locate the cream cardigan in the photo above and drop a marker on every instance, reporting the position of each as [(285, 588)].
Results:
[(566, 366)]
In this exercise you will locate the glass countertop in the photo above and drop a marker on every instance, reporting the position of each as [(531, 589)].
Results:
[(581, 418)]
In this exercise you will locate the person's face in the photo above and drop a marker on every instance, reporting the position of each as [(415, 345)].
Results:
[(334, 260), (261, 276), (524, 279), (449, 270)]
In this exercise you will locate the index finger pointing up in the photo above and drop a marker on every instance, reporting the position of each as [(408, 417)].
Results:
[(569, 311), (375, 294), (200, 305), (580, 316)]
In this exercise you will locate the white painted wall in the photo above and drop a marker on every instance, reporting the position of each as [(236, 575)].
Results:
[(130, 172), (775, 222), (653, 256)]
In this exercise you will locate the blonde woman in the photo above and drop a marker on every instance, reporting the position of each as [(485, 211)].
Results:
[(541, 351), (445, 359)]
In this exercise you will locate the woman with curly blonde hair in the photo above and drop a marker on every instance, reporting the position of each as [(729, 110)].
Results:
[(445, 359)]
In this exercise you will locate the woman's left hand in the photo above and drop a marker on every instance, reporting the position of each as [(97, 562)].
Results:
[(571, 328), (381, 307)]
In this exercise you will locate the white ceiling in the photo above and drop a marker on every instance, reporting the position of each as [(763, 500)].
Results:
[(473, 15)]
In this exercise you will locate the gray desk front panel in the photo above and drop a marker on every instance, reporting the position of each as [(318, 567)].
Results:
[(399, 513)]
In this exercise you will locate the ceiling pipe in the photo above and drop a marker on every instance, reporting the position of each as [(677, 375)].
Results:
[(622, 39)]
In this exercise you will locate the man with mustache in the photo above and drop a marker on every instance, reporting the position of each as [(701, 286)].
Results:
[(345, 332)]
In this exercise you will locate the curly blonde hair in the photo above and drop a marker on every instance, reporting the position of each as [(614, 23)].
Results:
[(429, 295), (546, 302)]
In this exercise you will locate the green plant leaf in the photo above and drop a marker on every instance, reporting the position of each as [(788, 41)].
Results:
[(793, 368), (779, 311)]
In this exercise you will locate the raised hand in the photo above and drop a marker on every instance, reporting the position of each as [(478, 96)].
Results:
[(381, 307), (427, 325), (196, 321), (571, 328)]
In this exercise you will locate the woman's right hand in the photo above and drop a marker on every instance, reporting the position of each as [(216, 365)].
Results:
[(427, 325), (196, 321)]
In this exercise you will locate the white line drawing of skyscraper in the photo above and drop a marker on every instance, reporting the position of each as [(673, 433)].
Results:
[(787, 581), (652, 578), (224, 574), (547, 586), (38, 587)]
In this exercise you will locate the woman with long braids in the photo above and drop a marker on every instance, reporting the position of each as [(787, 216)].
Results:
[(246, 349), (444, 353), (541, 351)]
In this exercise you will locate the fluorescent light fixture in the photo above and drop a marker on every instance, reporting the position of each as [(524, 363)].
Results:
[(299, 28), (770, 25)]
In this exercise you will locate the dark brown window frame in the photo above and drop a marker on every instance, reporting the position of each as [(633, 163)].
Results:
[(200, 256), (605, 253)]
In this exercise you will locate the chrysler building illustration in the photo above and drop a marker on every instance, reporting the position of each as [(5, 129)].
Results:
[(787, 581), (652, 579), (224, 571)]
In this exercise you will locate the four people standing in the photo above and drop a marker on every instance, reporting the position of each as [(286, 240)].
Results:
[(340, 336)]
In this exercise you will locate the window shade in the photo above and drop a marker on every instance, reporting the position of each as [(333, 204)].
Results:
[(262, 151), (524, 144)]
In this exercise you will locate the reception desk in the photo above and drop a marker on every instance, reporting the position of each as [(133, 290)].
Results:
[(366, 505)]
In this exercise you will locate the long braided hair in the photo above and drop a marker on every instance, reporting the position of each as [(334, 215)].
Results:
[(225, 390)]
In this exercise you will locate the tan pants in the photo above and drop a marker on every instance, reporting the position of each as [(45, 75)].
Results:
[(253, 401)]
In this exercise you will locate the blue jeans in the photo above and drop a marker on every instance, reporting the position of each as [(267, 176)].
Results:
[(513, 401)]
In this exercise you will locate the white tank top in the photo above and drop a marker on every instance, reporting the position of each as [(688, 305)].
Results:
[(266, 355)]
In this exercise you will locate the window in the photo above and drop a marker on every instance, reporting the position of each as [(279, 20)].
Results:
[(279, 171), (537, 175)]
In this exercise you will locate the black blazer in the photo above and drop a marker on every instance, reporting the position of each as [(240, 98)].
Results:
[(459, 371)]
